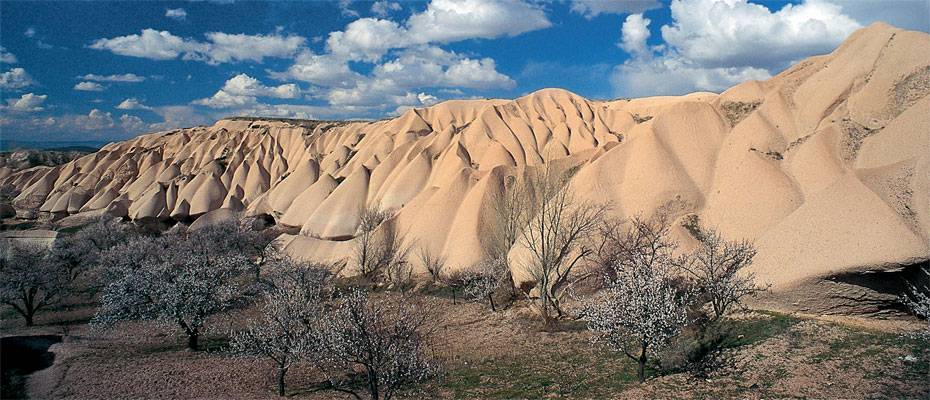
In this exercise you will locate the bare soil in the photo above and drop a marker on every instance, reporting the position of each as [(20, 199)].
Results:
[(504, 354)]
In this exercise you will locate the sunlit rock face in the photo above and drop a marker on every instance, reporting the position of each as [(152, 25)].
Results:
[(825, 166)]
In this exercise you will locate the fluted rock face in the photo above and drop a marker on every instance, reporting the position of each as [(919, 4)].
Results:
[(826, 166)]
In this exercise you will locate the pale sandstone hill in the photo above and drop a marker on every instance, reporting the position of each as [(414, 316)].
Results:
[(826, 166)]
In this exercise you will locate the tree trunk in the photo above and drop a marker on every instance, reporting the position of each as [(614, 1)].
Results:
[(547, 321), (373, 385), (544, 309), (29, 309), (192, 340), (491, 299), (641, 366), (513, 286), (281, 372)]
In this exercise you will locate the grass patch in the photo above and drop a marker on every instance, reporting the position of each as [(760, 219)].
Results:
[(581, 374), (745, 332), (856, 344), (214, 344), (920, 350), (18, 226), (700, 348)]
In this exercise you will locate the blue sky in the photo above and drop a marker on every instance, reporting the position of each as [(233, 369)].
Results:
[(112, 70)]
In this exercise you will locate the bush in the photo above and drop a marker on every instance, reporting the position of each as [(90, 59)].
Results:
[(718, 269), (434, 263)]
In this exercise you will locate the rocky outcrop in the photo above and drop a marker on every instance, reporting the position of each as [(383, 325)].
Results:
[(825, 166)]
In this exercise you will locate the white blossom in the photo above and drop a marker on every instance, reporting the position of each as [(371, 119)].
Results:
[(641, 309), (176, 279), (382, 342), (484, 279), (919, 303), (289, 315), (31, 281)]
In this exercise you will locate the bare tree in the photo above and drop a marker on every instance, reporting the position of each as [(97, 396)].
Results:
[(399, 273), (434, 263), (511, 216), (379, 253), (290, 312), (718, 266), (557, 236), (174, 279), (383, 341), (484, 279), (642, 308), (368, 252), (31, 282)]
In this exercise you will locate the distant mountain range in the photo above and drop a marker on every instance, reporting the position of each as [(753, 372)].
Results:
[(73, 145)]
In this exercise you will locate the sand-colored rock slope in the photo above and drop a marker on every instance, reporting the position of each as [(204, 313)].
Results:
[(826, 165)]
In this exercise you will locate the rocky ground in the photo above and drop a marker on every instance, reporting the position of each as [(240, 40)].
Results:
[(502, 354)]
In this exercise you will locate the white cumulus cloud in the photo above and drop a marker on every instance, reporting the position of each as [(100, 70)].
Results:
[(905, 14), (592, 8), (245, 85), (95, 120), (430, 66), (453, 20), (132, 103), (443, 21), (400, 81), (320, 69), (367, 39), (243, 90), (738, 33), (405, 56), (225, 47), (219, 47), (634, 33), (89, 87), (383, 8), (672, 75), (6, 57), (15, 79), (224, 99), (151, 44), (122, 78), (28, 102), (345, 10), (177, 117), (711, 45), (132, 123)]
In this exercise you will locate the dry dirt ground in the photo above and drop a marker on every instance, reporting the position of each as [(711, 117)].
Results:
[(502, 354)]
